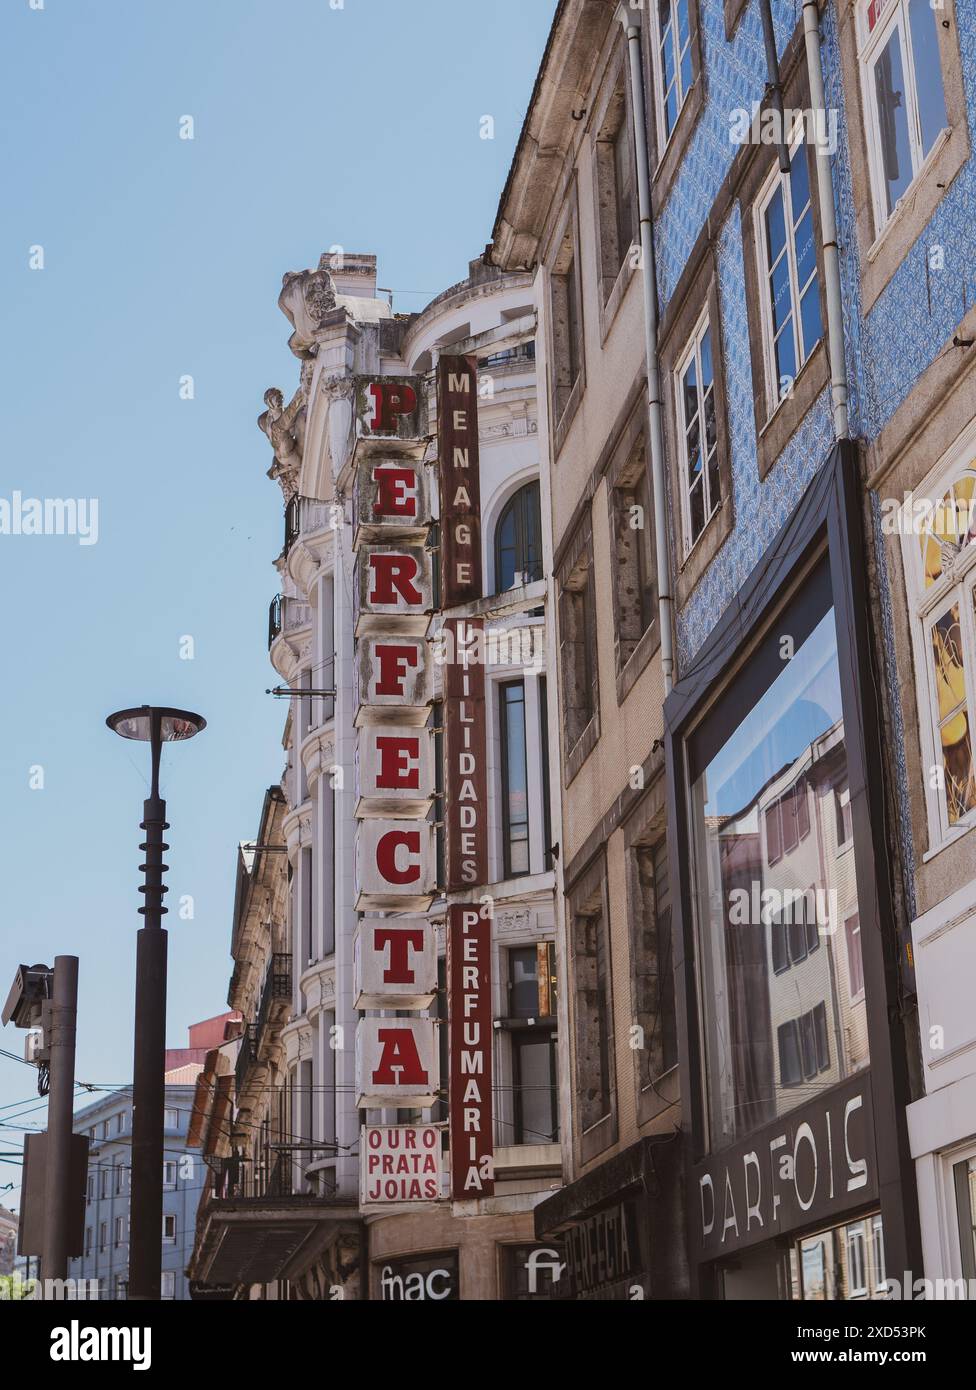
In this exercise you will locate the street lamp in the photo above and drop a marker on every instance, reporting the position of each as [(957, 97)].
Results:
[(154, 726)]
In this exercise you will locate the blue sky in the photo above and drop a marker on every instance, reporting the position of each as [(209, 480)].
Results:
[(163, 257)]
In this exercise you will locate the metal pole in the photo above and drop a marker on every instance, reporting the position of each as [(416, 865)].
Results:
[(60, 1117), (148, 1079)]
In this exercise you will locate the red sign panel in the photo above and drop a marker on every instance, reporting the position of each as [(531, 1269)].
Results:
[(471, 1033), (465, 754), (457, 446)]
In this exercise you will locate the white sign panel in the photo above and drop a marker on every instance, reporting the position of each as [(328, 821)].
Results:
[(396, 1063), (394, 864), (394, 963), (400, 1163), (394, 771)]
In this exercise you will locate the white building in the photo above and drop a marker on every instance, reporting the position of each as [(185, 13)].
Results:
[(478, 1248)]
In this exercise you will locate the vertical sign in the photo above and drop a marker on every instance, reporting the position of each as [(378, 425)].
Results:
[(470, 1024), (465, 754), (457, 445)]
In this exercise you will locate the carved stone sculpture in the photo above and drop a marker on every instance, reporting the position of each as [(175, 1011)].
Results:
[(307, 297), (285, 428)]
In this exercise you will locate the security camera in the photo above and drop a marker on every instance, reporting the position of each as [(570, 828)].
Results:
[(31, 986)]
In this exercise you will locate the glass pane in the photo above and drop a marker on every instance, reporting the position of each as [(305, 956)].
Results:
[(928, 71), (682, 11), (705, 352), (889, 85), (964, 1181), (799, 183), (689, 392), (670, 111), (696, 508), (686, 72), (785, 360), (515, 807), (535, 1093), (775, 227), (810, 322), (523, 980), (765, 1051), (781, 298), (806, 257)]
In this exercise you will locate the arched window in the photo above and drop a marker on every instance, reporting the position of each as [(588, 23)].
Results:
[(518, 540)]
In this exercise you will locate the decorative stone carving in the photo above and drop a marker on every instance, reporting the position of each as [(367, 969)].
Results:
[(285, 428), (307, 297)]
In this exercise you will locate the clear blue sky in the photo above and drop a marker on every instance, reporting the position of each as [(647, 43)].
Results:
[(164, 257)]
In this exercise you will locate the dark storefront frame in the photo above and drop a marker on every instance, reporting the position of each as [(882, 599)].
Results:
[(827, 521)]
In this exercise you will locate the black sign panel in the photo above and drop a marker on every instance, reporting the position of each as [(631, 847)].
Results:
[(811, 1166)]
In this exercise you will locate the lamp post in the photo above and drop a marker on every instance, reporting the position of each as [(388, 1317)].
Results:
[(154, 726)]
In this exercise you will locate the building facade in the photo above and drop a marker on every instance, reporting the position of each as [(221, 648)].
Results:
[(313, 1229), (108, 1124), (808, 333)]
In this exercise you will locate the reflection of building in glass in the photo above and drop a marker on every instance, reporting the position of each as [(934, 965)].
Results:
[(795, 1013)]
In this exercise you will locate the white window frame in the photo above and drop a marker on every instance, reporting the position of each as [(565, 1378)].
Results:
[(854, 1234), (170, 1166), (663, 134), (169, 1219), (119, 1232), (774, 398), (894, 15), (927, 605), (167, 1280), (693, 352), (877, 1242), (166, 1118)]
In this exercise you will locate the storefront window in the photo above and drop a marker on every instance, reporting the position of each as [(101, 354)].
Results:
[(964, 1179), (783, 1010), (845, 1262)]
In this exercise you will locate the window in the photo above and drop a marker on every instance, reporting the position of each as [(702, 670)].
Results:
[(546, 794), (940, 563), (532, 981), (171, 1119), (615, 180), (90, 1190), (771, 726), (701, 490), (106, 1128), (308, 945), (119, 1231), (788, 277), (105, 1180), (518, 540), (88, 1240), (169, 1173), (964, 1183), (534, 1272), (855, 964), (856, 1261), (674, 72), (167, 1284), (842, 810), (654, 966), (577, 651), (534, 1080), (787, 822), (877, 1246), (169, 1229), (903, 94), (119, 1180), (589, 930), (120, 1122), (565, 298), (634, 579), (515, 779), (102, 1235), (120, 1286)]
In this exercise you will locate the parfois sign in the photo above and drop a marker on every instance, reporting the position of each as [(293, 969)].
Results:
[(470, 1025)]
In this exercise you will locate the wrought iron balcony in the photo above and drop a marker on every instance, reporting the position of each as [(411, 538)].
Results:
[(276, 615), (277, 987)]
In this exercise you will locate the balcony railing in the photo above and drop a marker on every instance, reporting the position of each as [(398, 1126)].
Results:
[(277, 986), (276, 615)]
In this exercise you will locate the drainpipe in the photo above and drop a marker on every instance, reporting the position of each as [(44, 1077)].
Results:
[(773, 84), (631, 21), (828, 220)]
